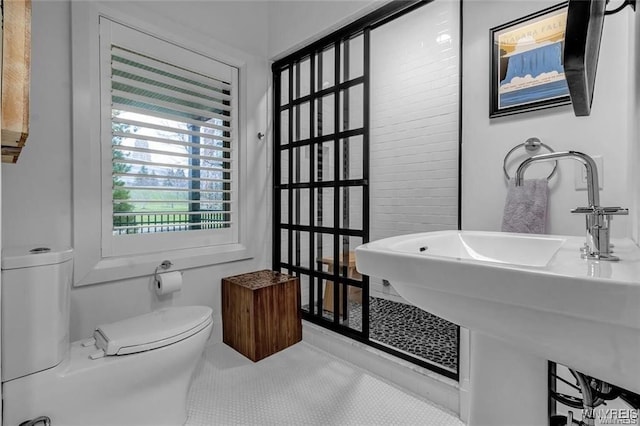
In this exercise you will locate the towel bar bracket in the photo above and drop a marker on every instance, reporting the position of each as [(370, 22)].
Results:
[(531, 145)]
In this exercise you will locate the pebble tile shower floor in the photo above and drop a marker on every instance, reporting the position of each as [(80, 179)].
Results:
[(412, 330), (299, 386), (407, 328)]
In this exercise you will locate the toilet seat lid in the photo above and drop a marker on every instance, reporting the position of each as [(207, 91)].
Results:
[(153, 330)]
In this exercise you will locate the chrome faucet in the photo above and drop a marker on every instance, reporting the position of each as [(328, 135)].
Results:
[(597, 218)]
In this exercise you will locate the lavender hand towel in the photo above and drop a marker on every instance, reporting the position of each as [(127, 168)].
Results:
[(525, 209)]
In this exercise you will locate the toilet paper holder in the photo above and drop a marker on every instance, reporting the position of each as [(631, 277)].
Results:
[(166, 264)]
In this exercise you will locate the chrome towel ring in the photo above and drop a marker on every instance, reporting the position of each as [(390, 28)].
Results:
[(531, 145)]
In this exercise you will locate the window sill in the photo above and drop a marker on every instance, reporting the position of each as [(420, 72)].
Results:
[(120, 268)]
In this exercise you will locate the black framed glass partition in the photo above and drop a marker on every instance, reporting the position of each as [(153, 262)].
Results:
[(322, 183)]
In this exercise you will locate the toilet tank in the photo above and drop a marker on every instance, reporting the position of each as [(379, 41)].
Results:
[(36, 285)]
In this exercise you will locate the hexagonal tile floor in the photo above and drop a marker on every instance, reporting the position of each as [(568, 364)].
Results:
[(300, 385)]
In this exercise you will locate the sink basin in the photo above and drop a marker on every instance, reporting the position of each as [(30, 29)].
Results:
[(533, 290), (517, 249)]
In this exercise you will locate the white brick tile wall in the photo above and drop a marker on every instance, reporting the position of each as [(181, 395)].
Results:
[(414, 124)]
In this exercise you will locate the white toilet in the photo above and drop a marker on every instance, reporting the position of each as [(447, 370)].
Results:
[(131, 372)]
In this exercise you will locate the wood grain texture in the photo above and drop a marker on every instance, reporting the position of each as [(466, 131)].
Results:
[(16, 76), (354, 293), (261, 313)]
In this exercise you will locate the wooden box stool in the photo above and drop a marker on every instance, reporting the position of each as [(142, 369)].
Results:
[(261, 313)]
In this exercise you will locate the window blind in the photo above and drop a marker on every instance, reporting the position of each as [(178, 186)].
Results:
[(172, 145)]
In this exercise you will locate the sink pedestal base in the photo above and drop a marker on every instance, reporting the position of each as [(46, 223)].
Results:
[(508, 385)]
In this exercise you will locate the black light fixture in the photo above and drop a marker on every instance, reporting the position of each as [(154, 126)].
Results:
[(624, 4), (585, 21)]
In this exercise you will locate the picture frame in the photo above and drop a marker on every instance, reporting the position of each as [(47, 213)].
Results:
[(527, 70)]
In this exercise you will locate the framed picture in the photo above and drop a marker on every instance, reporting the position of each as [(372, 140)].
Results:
[(527, 71)]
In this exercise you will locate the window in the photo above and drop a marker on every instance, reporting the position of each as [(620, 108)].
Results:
[(171, 141), (169, 144), (158, 156)]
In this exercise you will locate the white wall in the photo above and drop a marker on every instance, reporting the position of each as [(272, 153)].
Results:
[(485, 142), (37, 194)]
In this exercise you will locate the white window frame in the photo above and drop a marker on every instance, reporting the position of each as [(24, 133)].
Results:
[(97, 259), (131, 244)]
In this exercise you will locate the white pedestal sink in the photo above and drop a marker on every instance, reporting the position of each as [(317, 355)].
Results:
[(534, 291)]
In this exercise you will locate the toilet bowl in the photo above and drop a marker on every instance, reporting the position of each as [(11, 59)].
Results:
[(131, 372), (140, 388)]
